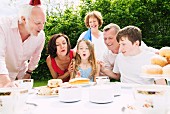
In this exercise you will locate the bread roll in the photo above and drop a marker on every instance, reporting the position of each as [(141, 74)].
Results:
[(44, 90), (152, 70), (159, 60), (54, 82), (168, 60), (166, 70), (79, 81), (165, 52)]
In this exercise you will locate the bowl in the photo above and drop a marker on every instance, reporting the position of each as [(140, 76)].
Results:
[(101, 94), (102, 79), (69, 94), (25, 83), (152, 99), (12, 100)]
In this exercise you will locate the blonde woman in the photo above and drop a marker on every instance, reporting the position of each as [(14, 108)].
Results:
[(93, 21)]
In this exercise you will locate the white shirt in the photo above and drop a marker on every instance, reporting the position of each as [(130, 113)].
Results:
[(129, 67), (99, 45), (14, 54), (146, 48), (109, 57)]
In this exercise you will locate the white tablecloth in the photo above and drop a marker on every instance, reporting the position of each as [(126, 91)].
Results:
[(52, 105)]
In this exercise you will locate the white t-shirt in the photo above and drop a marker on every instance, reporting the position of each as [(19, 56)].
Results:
[(147, 48), (109, 57), (99, 45), (129, 67)]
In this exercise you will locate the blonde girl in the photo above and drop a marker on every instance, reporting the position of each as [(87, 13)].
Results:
[(85, 61)]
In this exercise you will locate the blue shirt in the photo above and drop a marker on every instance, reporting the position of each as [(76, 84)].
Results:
[(85, 73)]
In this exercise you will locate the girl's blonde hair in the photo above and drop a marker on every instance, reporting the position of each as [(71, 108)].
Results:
[(91, 59)]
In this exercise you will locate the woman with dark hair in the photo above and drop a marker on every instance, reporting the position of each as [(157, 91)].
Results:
[(60, 56)]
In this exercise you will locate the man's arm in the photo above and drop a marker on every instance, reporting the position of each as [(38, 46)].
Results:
[(37, 54), (4, 77), (110, 73), (4, 80)]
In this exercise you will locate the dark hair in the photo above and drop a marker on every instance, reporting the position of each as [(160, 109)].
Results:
[(52, 48), (131, 32)]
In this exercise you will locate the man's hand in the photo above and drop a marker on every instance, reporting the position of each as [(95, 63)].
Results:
[(27, 76), (102, 65), (5, 81)]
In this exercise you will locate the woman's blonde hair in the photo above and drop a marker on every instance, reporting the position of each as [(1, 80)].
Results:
[(91, 59), (95, 14)]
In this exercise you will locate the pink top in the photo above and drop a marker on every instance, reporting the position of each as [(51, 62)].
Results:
[(58, 70), (14, 54)]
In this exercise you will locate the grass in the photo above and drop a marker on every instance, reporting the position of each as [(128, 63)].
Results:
[(40, 83)]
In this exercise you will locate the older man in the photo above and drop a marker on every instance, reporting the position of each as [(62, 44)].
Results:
[(21, 43)]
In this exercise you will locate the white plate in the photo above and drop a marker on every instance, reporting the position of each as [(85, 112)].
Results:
[(128, 85), (69, 101), (47, 95), (134, 108), (101, 102), (85, 85), (28, 109)]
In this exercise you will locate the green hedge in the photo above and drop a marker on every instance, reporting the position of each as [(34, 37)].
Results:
[(151, 16)]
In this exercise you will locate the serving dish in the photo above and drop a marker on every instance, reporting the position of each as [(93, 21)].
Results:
[(152, 99), (69, 94), (101, 94)]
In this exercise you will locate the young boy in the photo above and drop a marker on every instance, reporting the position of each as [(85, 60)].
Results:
[(128, 63)]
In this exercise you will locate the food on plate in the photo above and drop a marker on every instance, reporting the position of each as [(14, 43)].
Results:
[(152, 69), (5, 93), (131, 107), (165, 52), (54, 82), (166, 70), (148, 104), (45, 90), (54, 91), (79, 81), (65, 84), (159, 60), (168, 60), (149, 92)]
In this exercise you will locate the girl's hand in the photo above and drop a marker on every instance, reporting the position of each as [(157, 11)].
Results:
[(71, 67), (78, 75)]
